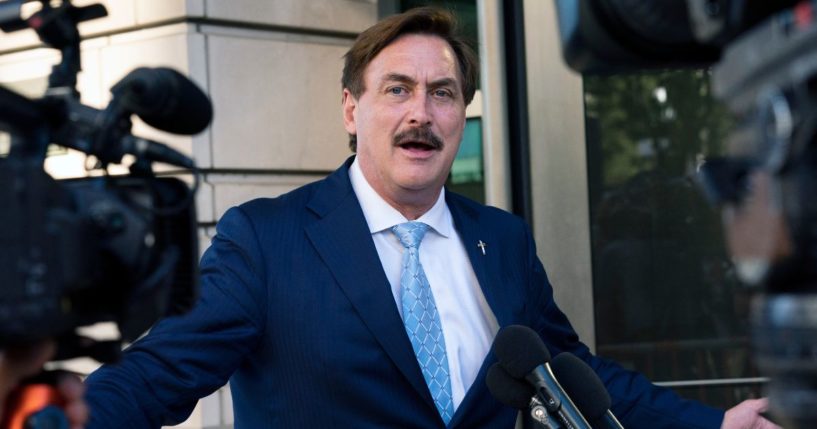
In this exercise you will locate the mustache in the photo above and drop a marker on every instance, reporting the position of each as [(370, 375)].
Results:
[(419, 135)]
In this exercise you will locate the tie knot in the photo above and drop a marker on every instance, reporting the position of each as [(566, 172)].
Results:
[(410, 234)]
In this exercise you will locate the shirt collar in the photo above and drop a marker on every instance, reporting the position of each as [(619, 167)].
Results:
[(382, 216)]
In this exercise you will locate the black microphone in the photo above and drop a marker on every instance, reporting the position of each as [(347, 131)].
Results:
[(164, 99), (522, 354), (586, 389), (508, 390), (155, 151)]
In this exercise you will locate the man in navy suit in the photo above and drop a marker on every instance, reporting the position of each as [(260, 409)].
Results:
[(304, 296)]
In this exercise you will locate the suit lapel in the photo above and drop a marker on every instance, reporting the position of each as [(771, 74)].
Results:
[(343, 241)]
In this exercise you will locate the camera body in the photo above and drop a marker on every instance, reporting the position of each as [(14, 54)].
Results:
[(77, 252), (103, 248)]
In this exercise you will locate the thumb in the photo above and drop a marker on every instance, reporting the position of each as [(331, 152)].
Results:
[(760, 405)]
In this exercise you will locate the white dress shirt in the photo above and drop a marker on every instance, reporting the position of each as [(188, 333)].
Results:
[(468, 324)]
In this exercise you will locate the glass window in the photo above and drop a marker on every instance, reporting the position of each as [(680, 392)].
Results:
[(466, 174), (667, 301)]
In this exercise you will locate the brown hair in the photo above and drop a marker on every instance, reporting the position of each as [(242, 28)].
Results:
[(423, 20)]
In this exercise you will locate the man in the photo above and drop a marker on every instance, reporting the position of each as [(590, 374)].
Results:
[(369, 299)]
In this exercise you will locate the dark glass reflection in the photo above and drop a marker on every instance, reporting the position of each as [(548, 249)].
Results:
[(467, 177), (666, 298)]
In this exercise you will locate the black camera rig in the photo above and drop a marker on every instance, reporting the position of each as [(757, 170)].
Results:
[(104, 248), (763, 56)]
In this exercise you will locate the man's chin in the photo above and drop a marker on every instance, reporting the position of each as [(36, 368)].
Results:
[(420, 184)]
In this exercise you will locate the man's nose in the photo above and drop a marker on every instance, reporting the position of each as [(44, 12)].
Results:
[(420, 113)]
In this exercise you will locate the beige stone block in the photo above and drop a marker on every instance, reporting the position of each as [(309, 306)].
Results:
[(232, 190), (211, 409), (227, 405), (151, 11), (277, 102), (19, 40), (27, 72), (336, 15), (167, 46)]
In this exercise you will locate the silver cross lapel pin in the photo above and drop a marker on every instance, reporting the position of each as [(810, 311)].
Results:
[(481, 244)]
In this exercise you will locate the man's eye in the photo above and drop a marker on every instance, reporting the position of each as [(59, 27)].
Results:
[(442, 93), (397, 90)]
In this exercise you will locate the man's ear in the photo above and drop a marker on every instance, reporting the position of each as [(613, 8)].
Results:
[(349, 112)]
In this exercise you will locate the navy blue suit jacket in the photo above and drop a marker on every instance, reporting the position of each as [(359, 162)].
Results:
[(296, 312)]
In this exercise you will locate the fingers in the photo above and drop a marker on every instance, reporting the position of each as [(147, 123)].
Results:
[(760, 405), (747, 415), (77, 414), (72, 390)]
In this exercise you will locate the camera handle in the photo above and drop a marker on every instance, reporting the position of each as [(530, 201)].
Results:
[(56, 27)]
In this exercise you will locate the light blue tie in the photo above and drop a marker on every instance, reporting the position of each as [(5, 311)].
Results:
[(422, 320)]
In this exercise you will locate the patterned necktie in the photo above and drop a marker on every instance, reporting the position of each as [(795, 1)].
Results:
[(422, 320)]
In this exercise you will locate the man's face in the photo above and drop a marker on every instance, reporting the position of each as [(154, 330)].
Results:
[(409, 120)]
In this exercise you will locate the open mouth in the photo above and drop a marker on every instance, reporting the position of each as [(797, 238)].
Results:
[(413, 145)]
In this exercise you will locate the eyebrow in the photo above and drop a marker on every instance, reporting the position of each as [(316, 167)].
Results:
[(446, 81), (398, 77)]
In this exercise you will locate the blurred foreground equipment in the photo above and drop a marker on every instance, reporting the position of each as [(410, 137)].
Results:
[(764, 66), (107, 248)]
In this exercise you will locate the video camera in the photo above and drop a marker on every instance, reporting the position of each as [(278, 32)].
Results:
[(763, 56), (105, 248)]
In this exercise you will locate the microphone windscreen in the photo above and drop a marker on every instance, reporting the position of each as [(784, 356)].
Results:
[(165, 99), (508, 390), (582, 385), (519, 350)]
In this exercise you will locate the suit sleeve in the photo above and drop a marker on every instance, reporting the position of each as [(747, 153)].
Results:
[(162, 376), (635, 400)]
